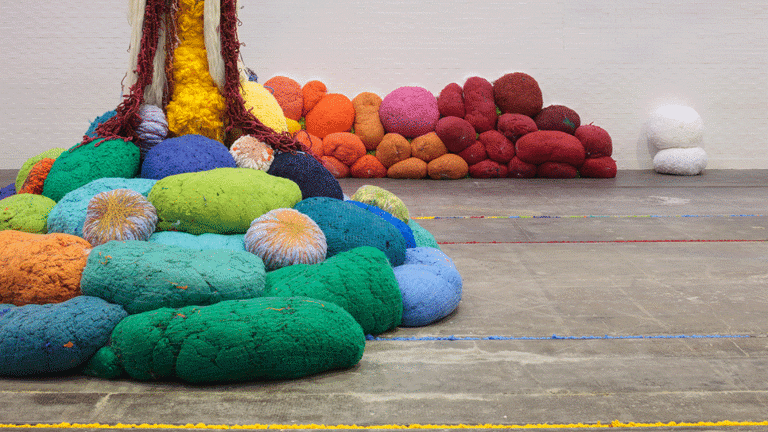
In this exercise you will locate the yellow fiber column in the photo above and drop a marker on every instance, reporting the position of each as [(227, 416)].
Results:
[(196, 106)]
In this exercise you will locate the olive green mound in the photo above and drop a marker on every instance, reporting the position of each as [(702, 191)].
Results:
[(360, 280), (239, 340), (219, 201)]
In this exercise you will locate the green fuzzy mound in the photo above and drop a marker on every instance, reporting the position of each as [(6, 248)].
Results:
[(423, 237), (142, 276), (383, 199), (81, 165), (239, 340), (26, 167), (26, 212), (360, 280), (219, 201)]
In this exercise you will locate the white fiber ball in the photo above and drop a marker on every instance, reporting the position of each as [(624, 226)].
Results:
[(675, 126), (680, 161)]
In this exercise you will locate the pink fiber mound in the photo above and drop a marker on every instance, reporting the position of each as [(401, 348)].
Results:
[(409, 111)]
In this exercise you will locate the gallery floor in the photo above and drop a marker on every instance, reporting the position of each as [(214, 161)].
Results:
[(642, 299)]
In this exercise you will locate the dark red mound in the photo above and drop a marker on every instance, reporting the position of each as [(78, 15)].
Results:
[(479, 104), (456, 133), (488, 169), (498, 147), (518, 93), (596, 141), (451, 101), (474, 153), (558, 118), (601, 167), (519, 169), (550, 146)]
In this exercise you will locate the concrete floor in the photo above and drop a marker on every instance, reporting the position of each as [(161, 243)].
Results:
[(655, 287)]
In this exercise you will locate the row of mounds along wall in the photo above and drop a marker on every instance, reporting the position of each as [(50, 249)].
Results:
[(481, 130)]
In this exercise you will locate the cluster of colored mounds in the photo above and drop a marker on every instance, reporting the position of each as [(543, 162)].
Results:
[(482, 129)]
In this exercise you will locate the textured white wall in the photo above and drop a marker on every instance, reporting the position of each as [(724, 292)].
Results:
[(613, 62)]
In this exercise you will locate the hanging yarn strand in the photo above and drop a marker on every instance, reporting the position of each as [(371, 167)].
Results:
[(123, 125), (238, 115)]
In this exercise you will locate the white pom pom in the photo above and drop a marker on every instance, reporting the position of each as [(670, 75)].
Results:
[(249, 152), (680, 161), (675, 126)]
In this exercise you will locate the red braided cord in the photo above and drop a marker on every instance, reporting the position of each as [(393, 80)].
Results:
[(123, 125), (236, 112)]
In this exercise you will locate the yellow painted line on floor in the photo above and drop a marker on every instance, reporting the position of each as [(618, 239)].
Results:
[(544, 426)]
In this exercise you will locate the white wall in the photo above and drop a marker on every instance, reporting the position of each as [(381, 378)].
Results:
[(611, 61)]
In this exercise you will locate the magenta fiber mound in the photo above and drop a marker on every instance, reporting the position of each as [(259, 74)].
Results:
[(409, 111)]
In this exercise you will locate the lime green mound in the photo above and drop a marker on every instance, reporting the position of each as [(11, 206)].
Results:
[(423, 237), (26, 212), (26, 167), (81, 165), (143, 276), (239, 340), (383, 199), (219, 201), (360, 280)]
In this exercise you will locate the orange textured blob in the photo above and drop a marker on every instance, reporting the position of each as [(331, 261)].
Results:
[(313, 143), (335, 166), (334, 113), (40, 268), (448, 167), (288, 94), (36, 177), (312, 91), (393, 149), (411, 168), (367, 121), (344, 146), (428, 147), (368, 167)]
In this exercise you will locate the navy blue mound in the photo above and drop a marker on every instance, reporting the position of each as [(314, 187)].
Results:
[(185, 154), (405, 230), (347, 226), (8, 191), (313, 178), (43, 339)]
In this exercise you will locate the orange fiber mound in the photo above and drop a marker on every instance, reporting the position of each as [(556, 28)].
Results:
[(334, 113), (344, 146), (368, 167), (312, 91), (36, 177), (40, 268), (335, 166), (392, 149), (313, 143), (288, 94)]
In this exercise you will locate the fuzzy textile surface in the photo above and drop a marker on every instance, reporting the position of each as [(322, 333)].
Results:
[(85, 163), (25, 212), (219, 201), (347, 226), (409, 111), (143, 276), (284, 237), (360, 280), (430, 284), (206, 241), (185, 154), (311, 176), (261, 338), (119, 214), (40, 268), (405, 230), (37, 339), (68, 216)]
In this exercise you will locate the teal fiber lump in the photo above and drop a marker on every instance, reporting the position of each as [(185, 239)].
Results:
[(347, 226), (41, 339), (360, 280), (143, 276), (237, 340), (68, 215), (405, 230)]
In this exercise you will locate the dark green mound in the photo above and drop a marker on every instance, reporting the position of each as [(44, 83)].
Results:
[(238, 340), (99, 159), (360, 280)]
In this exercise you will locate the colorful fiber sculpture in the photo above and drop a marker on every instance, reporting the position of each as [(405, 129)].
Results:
[(284, 237), (210, 26), (120, 214), (249, 152), (152, 129)]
